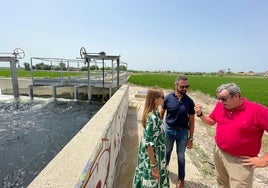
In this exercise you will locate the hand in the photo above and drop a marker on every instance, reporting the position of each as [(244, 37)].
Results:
[(155, 173), (198, 108), (254, 162), (189, 144)]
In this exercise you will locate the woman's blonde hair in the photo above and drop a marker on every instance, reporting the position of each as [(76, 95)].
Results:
[(152, 94)]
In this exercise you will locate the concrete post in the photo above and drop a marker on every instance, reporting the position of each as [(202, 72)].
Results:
[(110, 92), (14, 79), (54, 92), (118, 73), (76, 92), (30, 88), (88, 79)]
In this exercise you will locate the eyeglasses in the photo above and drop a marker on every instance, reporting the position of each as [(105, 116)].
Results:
[(162, 97), (186, 87), (224, 99)]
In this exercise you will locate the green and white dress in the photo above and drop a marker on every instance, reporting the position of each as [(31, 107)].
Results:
[(153, 135)]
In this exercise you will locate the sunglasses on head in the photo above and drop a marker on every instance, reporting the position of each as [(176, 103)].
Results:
[(162, 97)]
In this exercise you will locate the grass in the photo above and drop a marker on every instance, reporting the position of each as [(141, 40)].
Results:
[(5, 72), (200, 160), (253, 88)]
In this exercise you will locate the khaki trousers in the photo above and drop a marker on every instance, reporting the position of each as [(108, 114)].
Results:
[(230, 173)]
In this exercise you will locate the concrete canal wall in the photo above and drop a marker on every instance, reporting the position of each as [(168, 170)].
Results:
[(90, 158), (68, 92), (6, 85)]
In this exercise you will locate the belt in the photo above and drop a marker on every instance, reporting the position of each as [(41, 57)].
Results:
[(178, 128)]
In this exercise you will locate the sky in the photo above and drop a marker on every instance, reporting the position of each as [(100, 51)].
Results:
[(149, 35)]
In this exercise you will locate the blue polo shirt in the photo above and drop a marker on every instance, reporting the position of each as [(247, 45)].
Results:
[(178, 111)]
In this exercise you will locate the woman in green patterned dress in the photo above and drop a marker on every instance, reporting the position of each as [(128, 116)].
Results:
[(151, 163)]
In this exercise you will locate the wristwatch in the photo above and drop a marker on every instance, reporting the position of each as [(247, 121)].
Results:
[(201, 114), (191, 138)]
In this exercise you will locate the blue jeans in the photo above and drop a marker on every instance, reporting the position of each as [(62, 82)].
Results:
[(180, 136)]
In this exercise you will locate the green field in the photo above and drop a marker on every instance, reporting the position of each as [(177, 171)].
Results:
[(53, 74), (253, 88)]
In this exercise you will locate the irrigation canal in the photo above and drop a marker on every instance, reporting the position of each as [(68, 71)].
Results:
[(33, 132)]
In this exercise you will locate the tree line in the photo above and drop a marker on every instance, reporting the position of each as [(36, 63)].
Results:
[(63, 67)]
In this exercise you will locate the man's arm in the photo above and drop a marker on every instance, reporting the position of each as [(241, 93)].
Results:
[(191, 132), (191, 125), (205, 118)]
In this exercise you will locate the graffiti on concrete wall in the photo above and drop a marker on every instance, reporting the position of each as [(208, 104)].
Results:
[(100, 170)]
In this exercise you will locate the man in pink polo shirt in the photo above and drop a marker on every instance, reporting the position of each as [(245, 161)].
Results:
[(240, 127)]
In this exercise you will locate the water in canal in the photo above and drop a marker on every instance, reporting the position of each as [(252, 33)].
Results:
[(33, 132)]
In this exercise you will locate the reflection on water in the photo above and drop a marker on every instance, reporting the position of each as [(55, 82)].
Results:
[(33, 132)]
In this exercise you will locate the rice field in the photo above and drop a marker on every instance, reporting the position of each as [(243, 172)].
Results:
[(253, 88)]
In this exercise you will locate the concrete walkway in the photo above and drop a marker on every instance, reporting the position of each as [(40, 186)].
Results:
[(129, 148)]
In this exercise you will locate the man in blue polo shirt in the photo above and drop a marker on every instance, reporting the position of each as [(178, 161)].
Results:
[(179, 124)]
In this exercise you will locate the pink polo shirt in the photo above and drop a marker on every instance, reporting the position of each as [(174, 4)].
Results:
[(239, 132)]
